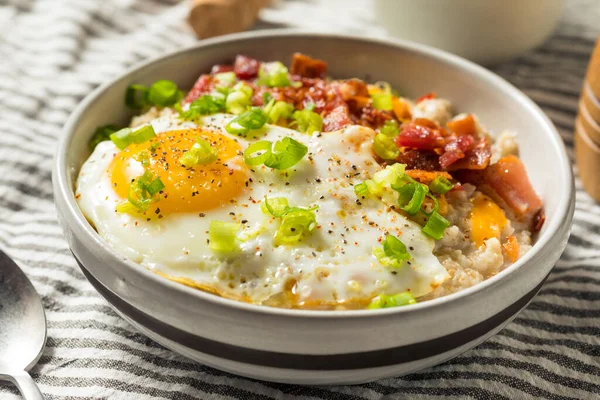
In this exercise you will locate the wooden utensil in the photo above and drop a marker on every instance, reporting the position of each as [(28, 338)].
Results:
[(587, 128), (219, 17)]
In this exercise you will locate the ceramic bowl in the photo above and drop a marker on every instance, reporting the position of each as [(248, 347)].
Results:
[(323, 347)]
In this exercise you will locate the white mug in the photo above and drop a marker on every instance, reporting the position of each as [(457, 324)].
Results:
[(484, 31)]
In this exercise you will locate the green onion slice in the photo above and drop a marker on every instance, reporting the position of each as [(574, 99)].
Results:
[(201, 153), (247, 121), (226, 79), (308, 121), (411, 197), (257, 153), (441, 185), (143, 192), (295, 225), (204, 105), (237, 102), (435, 226), (276, 206), (277, 110), (390, 128), (127, 136), (385, 147), (393, 254), (382, 101), (267, 97), (361, 189), (102, 134), (396, 300), (164, 93), (223, 236), (135, 96), (286, 153), (273, 74)]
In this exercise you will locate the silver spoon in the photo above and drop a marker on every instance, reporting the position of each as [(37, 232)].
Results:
[(22, 328)]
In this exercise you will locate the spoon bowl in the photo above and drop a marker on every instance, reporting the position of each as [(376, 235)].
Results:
[(22, 328)]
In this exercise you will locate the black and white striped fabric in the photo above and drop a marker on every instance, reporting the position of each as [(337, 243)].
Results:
[(54, 52)]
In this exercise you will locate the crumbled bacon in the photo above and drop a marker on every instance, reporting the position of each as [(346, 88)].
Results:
[(337, 118), (203, 85), (428, 96), (419, 159), (308, 67), (220, 68), (455, 149), (419, 136), (246, 68), (478, 157)]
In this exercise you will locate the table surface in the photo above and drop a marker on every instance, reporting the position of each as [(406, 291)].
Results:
[(54, 52)]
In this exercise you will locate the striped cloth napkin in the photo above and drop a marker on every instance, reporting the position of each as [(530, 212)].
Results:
[(54, 52)]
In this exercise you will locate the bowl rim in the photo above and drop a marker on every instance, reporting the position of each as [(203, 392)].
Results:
[(74, 218)]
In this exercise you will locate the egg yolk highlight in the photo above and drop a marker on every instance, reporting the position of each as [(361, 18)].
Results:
[(195, 189)]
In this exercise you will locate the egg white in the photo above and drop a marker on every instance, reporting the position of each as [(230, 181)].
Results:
[(333, 265)]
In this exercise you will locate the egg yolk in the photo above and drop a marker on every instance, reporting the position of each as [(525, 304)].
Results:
[(195, 189), (487, 220)]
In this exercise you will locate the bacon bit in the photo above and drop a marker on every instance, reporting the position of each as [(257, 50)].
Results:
[(203, 85), (426, 177), (463, 126), (246, 68), (337, 118), (455, 149), (511, 247), (351, 88), (419, 136), (428, 96), (220, 68), (419, 159), (476, 158), (308, 67)]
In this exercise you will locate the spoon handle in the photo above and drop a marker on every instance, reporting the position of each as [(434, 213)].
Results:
[(25, 383)]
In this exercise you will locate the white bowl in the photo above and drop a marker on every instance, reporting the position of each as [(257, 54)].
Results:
[(323, 347), (484, 31)]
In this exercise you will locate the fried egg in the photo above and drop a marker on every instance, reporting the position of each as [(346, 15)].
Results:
[(332, 267)]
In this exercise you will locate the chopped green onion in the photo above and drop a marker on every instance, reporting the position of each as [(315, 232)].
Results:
[(247, 121), (393, 254), (276, 206), (286, 153), (277, 110), (204, 105), (201, 153), (142, 157), (382, 101), (385, 147), (226, 79), (390, 128), (127, 136), (435, 226), (295, 225), (102, 134), (396, 300), (142, 193), (273, 74), (308, 121), (237, 102), (257, 153), (164, 93), (267, 97), (361, 190), (223, 236), (243, 87), (136, 96), (436, 205), (441, 185), (411, 197)]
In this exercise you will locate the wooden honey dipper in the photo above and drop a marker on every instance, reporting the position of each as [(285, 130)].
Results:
[(219, 17), (587, 128)]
